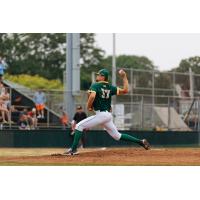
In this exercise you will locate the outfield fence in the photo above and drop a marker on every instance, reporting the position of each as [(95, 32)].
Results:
[(130, 112), (156, 100)]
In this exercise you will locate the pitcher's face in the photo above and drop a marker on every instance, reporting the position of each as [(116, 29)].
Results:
[(100, 78)]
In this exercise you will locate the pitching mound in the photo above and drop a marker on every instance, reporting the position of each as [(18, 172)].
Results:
[(104, 156)]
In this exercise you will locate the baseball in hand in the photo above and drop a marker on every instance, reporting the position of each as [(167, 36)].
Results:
[(122, 72)]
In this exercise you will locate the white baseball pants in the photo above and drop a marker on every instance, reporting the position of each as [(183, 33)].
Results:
[(101, 118)]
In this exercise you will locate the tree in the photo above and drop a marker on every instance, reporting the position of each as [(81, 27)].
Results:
[(143, 79), (192, 62), (185, 64), (92, 56), (44, 54), (130, 61), (34, 53)]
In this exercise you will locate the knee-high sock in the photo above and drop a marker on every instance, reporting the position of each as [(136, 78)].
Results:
[(126, 137), (77, 137)]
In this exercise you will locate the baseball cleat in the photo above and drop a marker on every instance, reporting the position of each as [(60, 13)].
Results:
[(145, 144), (70, 152)]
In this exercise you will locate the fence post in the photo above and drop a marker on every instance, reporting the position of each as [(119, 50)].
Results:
[(48, 109), (142, 113), (131, 97), (10, 112), (169, 116), (153, 99), (198, 124), (174, 88)]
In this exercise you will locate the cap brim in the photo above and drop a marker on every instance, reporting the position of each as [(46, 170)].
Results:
[(99, 74)]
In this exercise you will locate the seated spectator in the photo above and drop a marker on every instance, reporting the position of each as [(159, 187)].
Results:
[(3, 110), (2, 88), (29, 117), (24, 122), (33, 116), (17, 101), (6, 105), (40, 100), (6, 97), (64, 120)]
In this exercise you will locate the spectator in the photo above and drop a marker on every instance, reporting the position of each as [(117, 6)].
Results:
[(2, 89), (6, 97), (3, 111), (24, 122), (3, 66), (79, 116), (40, 100), (32, 115), (17, 104), (17, 101), (64, 120), (6, 105)]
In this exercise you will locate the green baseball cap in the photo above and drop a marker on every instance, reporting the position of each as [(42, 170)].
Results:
[(103, 72)]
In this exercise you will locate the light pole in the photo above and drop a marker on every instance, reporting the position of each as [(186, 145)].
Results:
[(114, 73), (72, 78), (114, 60)]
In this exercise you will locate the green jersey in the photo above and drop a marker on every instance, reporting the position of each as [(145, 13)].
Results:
[(104, 91)]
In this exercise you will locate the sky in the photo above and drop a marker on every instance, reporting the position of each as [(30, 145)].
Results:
[(164, 50)]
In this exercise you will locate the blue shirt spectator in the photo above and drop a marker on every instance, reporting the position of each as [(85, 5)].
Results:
[(3, 66), (39, 97)]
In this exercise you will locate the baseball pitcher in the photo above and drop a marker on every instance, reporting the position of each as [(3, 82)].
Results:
[(99, 101)]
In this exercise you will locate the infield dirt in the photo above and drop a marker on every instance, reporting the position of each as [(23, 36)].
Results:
[(102, 156)]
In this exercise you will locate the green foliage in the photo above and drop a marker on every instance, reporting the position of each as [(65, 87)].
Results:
[(129, 61), (44, 54), (192, 62), (92, 57), (126, 61), (90, 54), (34, 82), (185, 64), (34, 53)]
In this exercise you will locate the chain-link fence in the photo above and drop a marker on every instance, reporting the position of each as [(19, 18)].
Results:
[(156, 100), (153, 82), (165, 113), (161, 100), (131, 112)]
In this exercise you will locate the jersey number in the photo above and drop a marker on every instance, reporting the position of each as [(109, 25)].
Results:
[(105, 94)]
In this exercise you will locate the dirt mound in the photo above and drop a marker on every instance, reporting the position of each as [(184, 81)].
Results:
[(112, 157)]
